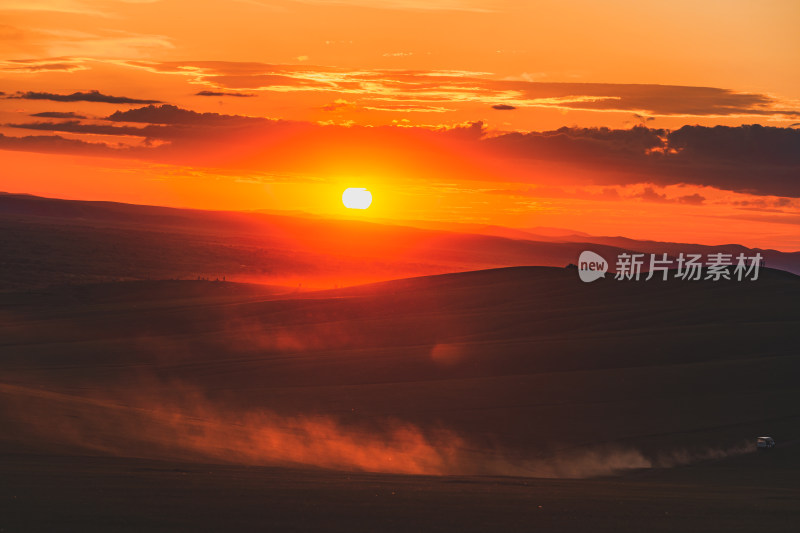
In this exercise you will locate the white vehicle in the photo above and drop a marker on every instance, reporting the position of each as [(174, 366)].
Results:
[(763, 443)]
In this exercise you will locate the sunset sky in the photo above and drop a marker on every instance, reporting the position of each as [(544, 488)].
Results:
[(667, 121)]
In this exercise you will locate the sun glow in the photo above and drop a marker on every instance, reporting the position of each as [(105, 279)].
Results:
[(356, 198)]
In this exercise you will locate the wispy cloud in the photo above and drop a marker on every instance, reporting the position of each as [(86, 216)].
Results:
[(435, 88), (39, 46), (225, 93), (58, 114), (102, 44), (54, 6), (42, 65), (78, 7)]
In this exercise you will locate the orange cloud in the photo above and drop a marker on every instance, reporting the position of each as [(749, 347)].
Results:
[(426, 86)]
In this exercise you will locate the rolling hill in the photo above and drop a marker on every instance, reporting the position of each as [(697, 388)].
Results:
[(510, 364), (47, 242)]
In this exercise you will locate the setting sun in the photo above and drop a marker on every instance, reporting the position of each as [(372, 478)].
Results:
[(356, 198)]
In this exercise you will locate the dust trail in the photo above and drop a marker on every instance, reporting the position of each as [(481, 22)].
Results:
[(686, 457), (196, 430), (145, 424)]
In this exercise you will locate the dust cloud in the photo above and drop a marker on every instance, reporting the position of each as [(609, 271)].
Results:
[(182, 425)]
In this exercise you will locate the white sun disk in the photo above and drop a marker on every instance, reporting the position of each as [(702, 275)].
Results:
[(356, 198)]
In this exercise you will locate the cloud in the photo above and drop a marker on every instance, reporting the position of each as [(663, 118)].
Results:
[(432, 90), (339, 105), (54, 6), (183, 127), (66, 48), (750, 159), (641, 119), (182, 136), (746, 144), (408, 108), (91, 96), (747, 159), (565, 143), (57, 114), (110, 44), (170, 114), (223, 93), (56, 144), (650, 195), (381, 87), (46, 65), (272, 82), (74, 126), (648, 99), (171, 132), (691, 199), (80, 7)]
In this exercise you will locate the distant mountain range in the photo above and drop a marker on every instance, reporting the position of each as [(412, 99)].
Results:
[(51, 242)]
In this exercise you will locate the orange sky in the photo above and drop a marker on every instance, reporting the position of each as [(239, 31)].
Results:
[(412, 92)]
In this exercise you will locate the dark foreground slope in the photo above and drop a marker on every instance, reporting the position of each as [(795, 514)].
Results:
[(526, 358), (42, 493), (523, 373)]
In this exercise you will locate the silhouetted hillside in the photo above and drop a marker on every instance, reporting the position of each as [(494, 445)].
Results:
[(52, 242)]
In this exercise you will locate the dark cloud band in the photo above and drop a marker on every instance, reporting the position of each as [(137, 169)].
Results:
[(91, 96), (751, 158)]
